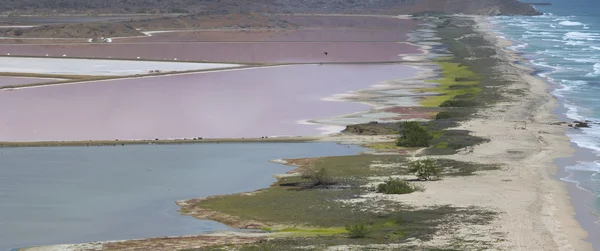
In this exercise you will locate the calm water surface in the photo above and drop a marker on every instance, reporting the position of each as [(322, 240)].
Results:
[(81, 194)]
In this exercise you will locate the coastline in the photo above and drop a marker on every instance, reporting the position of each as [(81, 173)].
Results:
[(533, 206), (581, 203), (581, 199)]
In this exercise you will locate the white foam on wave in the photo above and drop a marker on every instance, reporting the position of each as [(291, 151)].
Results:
[(574, 112), (595, 71), (592, 166), (518, 46), (570, 23), (595, 48), (587, 139), (575, 43), (583, 60), (576, 35)]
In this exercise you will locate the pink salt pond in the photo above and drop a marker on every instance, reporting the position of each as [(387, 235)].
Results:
[(231, 103), (242, 52)]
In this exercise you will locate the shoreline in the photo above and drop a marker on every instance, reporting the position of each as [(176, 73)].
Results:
[(580, 200), (559, 203), (583, 200)]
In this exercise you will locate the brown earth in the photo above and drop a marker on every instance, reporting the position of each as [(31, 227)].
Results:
[(231, 13), (134, 27), (212, 21), (179, 243), (485, 7), (82, 30)]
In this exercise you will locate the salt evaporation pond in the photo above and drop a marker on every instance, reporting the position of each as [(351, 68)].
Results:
[(257, 102), (81, 194), (242, 52), (97, 67)]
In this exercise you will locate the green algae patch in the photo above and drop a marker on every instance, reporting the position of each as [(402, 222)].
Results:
[(385, 146), (312, 232), (457, 82)]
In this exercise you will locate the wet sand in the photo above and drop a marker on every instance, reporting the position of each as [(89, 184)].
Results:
[(7, 81), (227, 104), (242, 52)]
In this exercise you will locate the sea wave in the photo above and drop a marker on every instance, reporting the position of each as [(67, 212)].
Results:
[(570, 23), (576, 35), (592, 166), (596, 71)]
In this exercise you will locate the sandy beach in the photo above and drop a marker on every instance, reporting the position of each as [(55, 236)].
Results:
[(536, 213)]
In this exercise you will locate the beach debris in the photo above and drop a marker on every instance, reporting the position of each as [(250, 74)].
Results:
[(580, 124), (326, 53)]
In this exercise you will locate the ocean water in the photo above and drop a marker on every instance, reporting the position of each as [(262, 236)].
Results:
[(564, 45), (61, 195)]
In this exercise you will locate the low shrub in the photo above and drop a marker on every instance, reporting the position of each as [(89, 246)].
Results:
[(414, 135), (396, 186), (426, 169), (359, 230), (458, 103), (320, 177), (446, 115)]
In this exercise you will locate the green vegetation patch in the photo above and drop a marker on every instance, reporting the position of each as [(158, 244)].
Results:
[(414, 135), (393, 227), (457, 79), (397, 186), (319, 217), (447, 142)]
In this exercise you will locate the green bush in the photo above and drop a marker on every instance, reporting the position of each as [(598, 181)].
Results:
[(396, 186), (458, 103), (413, 135), (445, 115), (359, 230), (426, 169), (320, 177)]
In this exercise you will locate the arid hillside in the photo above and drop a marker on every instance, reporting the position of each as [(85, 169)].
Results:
[(54, 7)]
